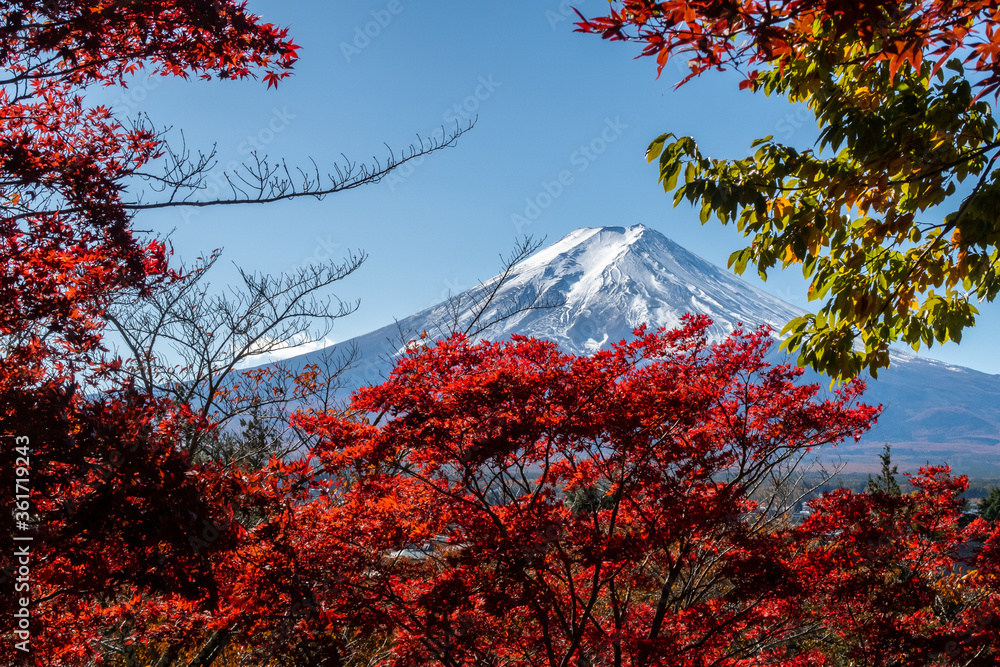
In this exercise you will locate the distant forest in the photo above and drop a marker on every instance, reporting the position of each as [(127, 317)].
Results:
[(979, 487)]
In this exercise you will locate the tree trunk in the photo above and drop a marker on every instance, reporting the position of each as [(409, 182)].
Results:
[(211, 649)]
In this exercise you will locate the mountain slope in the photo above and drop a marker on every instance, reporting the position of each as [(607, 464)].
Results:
[(614, 279), (609, 280)]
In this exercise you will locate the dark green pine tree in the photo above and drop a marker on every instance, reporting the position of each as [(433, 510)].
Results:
[(989, 507), (590, 499), (885, 482)]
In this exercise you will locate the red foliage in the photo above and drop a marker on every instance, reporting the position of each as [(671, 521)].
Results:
[(483, 444), (507, 503), (725, 33), (114, 497), (66, 243)]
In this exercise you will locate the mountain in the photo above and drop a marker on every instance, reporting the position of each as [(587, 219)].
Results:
[(612, 279), (609, 280)]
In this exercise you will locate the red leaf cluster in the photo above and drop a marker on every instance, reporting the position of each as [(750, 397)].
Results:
[(742, 35), (115, 499)]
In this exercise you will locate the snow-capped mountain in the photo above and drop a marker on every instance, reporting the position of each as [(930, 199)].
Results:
[(609, 280), (612, 279)]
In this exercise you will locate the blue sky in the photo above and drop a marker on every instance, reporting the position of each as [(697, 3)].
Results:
[(550, 103)]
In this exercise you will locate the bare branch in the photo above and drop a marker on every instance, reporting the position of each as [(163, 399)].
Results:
[(190, 343)]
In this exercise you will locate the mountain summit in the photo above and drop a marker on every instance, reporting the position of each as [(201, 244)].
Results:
[(609, 280)]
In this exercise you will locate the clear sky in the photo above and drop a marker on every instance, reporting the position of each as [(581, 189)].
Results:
[(550, 103)]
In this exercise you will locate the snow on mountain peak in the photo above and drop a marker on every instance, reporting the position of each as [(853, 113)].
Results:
[(610, 280)]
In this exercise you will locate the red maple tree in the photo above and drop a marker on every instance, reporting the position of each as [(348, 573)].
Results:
[(120, 510), (532, 507), (506, 503), (114, 499)]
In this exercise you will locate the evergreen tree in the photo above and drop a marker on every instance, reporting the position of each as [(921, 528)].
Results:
[(885, 482), (989, 507)]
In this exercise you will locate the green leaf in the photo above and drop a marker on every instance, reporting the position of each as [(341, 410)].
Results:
[(706, 212), (738, 261), (670, 179), (690, 172), (656, 147)]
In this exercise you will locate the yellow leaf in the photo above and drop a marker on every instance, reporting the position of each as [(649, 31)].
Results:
[(781, 206)]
